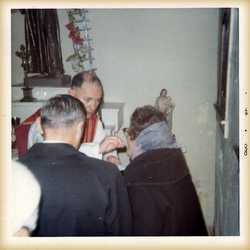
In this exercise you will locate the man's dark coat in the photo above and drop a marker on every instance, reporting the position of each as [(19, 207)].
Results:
[(81, 196)]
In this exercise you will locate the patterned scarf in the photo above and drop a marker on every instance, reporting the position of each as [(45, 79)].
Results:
[(156, 136)]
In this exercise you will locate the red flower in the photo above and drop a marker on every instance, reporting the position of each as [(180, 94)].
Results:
[(70, 26), (74, 33)]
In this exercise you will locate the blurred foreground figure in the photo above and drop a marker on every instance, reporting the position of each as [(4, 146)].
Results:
[(25, 197)]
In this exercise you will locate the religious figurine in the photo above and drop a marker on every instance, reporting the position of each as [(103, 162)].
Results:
[(25, 57), (165, 104)]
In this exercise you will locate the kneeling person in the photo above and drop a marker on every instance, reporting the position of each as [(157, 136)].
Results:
[(81, 196), (162, 195)]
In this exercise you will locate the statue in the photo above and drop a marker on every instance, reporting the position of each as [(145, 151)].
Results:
[(42, 37), (25, 57), (165, 104), (42, 41)]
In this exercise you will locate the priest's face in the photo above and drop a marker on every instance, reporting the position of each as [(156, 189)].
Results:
[(90, 94)]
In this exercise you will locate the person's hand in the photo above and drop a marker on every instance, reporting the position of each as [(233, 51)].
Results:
[(110, 143), (22, 232), (113, 159)]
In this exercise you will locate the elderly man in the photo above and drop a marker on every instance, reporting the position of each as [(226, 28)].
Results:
[(81, 195), (86, 87)]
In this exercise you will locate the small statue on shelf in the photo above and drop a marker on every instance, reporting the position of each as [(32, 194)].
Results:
[(24, 55), (165, 104)]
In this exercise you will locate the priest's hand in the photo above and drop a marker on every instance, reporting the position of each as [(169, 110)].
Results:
[(111, 143)]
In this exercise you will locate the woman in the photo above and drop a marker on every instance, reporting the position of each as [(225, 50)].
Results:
[(162, 195)]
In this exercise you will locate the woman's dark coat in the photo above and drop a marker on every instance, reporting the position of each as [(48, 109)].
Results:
[(162, 195)]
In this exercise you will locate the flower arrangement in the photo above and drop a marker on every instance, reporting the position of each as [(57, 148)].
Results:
[(80, 50)]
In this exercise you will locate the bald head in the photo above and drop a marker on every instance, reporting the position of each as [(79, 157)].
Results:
[(87, 88)]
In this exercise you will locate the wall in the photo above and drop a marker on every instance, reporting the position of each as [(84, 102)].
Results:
[(138, 52)]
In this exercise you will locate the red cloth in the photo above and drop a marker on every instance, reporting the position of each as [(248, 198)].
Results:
[(22, 132)]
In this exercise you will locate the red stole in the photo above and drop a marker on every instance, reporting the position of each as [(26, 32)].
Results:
[(31, 119), (90, 128)]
